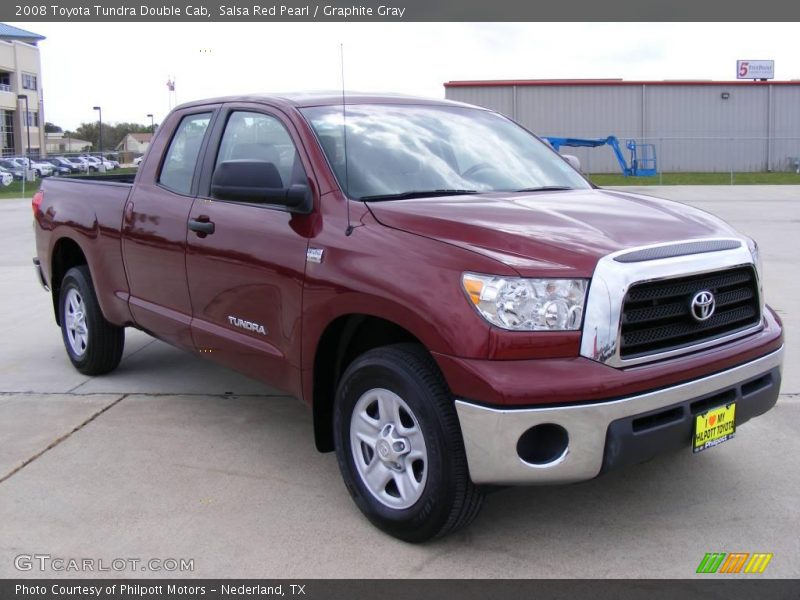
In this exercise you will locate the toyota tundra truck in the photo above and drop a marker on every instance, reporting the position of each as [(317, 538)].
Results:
[(458, 305)]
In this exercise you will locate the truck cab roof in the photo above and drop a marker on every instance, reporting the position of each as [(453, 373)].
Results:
[(326, 98)]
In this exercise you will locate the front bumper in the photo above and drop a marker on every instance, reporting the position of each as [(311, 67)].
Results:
[(604, 435)]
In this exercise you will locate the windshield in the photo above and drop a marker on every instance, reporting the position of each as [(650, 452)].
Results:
[(401, 151)]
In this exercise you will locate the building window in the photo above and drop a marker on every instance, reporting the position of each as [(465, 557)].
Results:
[(6, 132), (29, 81), (5, 82), (33, 119)]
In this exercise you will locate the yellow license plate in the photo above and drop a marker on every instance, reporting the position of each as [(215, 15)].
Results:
[(714, 427)]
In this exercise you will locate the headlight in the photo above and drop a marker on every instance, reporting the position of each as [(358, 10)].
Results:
[(527, 304)]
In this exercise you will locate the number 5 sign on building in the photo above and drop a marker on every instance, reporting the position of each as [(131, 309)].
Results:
[(755, 69)]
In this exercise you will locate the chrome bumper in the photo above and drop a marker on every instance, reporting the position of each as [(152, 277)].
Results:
[(38, 267), (491, 435)]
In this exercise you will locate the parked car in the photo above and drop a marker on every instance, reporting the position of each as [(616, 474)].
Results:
[(460, 307), (58, 168), (62, 163), (137, 161), (42, 169), (97, 162), (114, 162), (15, 169), (6, 177), (84, 165)]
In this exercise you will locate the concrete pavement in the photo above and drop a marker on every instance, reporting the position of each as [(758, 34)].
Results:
[(173, 457)]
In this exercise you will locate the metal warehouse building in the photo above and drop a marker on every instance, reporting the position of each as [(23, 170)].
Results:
[(710, 126)]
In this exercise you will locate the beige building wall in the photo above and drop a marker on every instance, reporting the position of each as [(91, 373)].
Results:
[(131, 144), (18, 59), (58, 143)]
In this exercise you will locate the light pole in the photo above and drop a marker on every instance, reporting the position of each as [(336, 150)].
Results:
[(152, 123), (28, 127), (100, 119)]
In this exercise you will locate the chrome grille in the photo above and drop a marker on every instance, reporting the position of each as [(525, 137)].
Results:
[(657, 317)]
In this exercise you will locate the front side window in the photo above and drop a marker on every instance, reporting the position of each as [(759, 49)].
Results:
[(257, 136), (395, 150), (177, 171)]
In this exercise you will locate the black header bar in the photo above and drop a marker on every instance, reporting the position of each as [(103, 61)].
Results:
[(399, 10)]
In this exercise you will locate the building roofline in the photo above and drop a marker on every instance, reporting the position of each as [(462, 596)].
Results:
[(610, 82), (10, 32)]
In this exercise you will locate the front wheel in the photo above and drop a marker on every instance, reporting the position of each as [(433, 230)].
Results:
[(399, 445), (94, 345)]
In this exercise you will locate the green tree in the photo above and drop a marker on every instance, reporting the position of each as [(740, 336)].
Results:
[(52, 128), (113, 133)]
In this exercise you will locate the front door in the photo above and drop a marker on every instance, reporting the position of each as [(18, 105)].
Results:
[(246, 277)]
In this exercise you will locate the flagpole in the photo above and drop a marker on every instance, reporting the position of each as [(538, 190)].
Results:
[(171, 97)]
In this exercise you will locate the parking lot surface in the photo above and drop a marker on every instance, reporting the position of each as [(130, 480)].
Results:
[(173, 457)]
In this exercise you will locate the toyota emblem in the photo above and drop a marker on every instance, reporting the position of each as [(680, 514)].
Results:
[(703, 305)]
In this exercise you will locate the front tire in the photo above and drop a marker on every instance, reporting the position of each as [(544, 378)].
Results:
[(94, 345), (399, 445)]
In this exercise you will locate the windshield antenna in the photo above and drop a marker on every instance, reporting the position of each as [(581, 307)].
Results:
[(349, 229)]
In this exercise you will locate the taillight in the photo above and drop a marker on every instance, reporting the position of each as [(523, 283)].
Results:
[(36, 203)]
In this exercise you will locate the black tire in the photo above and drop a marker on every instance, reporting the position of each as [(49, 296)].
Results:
[(101, 349), (449, 500)]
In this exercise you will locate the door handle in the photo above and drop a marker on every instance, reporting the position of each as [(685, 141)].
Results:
[(202, 226)]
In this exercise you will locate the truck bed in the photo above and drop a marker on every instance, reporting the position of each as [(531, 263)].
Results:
[(88, 210)]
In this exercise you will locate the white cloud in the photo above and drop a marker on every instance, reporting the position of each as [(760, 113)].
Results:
[(124, 66)]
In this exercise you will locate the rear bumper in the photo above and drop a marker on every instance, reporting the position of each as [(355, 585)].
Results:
[(40, 274), (605, 435)]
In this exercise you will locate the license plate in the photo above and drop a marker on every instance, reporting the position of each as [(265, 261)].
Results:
[(714, 427)]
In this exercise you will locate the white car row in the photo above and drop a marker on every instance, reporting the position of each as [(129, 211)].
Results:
[(42, 169), (87, 163), (14, 167), (95, 163)]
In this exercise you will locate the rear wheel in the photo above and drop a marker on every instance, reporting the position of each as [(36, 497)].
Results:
[(399, 445), (94, 345)]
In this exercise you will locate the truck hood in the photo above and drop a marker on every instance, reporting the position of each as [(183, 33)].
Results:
[(561, 233)]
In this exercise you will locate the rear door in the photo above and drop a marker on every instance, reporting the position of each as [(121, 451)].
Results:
[(155, 223), (246, 278)]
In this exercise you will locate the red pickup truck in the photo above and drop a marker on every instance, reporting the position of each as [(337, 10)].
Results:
[(460, 307)]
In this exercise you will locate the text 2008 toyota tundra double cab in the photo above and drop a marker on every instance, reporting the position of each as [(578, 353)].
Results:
[(458, 305)]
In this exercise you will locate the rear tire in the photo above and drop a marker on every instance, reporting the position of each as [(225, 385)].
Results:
[(94, 345), (399, 445)]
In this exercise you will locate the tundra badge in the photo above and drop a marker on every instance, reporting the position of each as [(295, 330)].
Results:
[(249, 325)]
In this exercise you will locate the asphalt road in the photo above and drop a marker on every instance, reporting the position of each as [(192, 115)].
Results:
[(174, 457)]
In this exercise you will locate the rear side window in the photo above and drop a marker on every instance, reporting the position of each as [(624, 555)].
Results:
[(178, 168)]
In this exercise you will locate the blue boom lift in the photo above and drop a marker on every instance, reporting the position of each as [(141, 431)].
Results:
[(643, 156)]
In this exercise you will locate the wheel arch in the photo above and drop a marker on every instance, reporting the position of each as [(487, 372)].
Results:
[(342, 341), (66, 254)]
